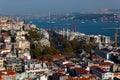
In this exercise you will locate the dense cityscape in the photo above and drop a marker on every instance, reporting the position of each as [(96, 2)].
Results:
[(59, 40), (31, 53)]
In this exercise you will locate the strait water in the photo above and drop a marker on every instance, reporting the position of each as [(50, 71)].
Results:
[(87, 27)]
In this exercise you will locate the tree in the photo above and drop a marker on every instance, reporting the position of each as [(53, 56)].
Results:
[(35, 35), (87, 48), (67, 48), (49, 50), (75, 44), (36, 52), (48, 57)]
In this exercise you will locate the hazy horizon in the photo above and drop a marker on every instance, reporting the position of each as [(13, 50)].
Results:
[(55, 6)]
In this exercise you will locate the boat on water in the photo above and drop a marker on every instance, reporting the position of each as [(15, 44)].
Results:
[(51, 22), (94, 21), (82, 22), (30, 22)]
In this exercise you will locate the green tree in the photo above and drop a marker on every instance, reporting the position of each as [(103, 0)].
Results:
[(67, 48), (35, 53), (49, 50), (35, 35), (88, 48), (74, 44), (48, 57)]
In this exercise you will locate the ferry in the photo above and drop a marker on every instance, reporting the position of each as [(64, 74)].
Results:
[(82, 22)]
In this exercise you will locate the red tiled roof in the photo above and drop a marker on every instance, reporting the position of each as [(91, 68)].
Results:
[(11, 72), (57, 56), (73, 79), (95, 57), (60, 74), (5, 49), (100, 70), (68, 55), (50, 63), (78, 78), (62, 55), (82, 71), (115, 51), (116, 74), (44, 61), (5, 72), (85, 78), (93, 75), (4, 34), (60, 70), (105, 64), (68, 65)]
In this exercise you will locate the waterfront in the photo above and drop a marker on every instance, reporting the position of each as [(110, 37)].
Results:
[(87, 27)]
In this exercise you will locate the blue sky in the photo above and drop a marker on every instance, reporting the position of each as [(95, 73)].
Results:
[(55, 6)]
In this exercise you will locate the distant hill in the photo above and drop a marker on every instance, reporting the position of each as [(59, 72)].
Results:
[(114, 10)]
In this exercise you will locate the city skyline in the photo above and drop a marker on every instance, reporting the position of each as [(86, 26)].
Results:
[(55, 6)]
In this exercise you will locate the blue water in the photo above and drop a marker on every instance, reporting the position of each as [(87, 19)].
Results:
[(88, 27)]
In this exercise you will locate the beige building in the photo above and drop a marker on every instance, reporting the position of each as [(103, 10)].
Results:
[(7, 40), (18, 38), (1, 63), (20, 33), (22, 45)]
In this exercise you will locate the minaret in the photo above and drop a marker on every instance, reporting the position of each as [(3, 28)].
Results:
[(67, 34), (63, 32)]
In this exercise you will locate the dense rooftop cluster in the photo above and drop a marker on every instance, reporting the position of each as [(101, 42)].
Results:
[(29, 53)]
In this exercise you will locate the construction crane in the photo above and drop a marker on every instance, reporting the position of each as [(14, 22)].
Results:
[(74, 27), (115, 34)]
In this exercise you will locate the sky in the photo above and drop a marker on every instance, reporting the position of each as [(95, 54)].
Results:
[(55, 6)]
